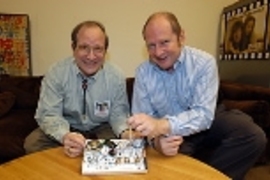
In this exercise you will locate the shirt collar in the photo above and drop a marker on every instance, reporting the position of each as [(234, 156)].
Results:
[(81, 75), (177, 63)]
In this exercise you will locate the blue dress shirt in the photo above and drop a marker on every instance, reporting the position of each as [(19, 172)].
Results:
[(186, 96)]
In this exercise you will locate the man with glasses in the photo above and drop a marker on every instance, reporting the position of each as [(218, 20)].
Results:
[(74, 93)]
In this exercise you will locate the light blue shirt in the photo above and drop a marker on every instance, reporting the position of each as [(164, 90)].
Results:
[(61, 100), (186, 96)]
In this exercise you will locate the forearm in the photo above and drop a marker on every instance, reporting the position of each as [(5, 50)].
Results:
[(55, 127), (190, 122)]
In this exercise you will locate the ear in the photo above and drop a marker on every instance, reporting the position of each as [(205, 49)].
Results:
[(182, 37), (73, 49), (73, 46)]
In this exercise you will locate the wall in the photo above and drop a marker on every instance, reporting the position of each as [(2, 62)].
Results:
[(53, 20)]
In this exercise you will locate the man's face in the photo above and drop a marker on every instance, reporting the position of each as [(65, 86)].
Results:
[(90, 50), (163, 45)]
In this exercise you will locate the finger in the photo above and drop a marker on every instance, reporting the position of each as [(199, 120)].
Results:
[(146, 132), (78, 139), (137, 135), (72, 152), (133, 121), (172, 138), (130, 120), (172, 151), (140, 128), (75, 140), (67, 151), (180, 138), (70, 143)]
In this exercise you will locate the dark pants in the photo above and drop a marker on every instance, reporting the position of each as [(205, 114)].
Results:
[(232, 144)]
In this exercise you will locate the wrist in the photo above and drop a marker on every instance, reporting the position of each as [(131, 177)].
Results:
[(163, 127)]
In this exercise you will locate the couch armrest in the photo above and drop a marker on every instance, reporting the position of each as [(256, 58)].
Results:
[(238, 91)]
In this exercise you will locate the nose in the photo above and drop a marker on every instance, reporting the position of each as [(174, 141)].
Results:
[(158, 51), (91, 54)]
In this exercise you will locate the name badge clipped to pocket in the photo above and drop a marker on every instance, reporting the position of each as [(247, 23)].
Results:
[(102, 109)]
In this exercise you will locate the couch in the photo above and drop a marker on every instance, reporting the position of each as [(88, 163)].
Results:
[(18, 101), (253, 100), (19, 96)]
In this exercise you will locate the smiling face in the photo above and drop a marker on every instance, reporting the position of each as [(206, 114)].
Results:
[(163, 45), (89, 52)]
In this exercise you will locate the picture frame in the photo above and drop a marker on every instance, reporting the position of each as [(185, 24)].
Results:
[(245, 31), (15, 50)]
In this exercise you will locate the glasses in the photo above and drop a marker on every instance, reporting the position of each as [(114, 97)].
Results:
[(85, 49)]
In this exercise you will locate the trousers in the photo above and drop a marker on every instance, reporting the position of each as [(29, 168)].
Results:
[(231, 145), (37, 140)]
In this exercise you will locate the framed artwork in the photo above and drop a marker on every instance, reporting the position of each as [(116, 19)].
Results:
[(245, 31), (15, 58)]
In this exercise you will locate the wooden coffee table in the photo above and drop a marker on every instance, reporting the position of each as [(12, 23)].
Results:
[(54, 164)]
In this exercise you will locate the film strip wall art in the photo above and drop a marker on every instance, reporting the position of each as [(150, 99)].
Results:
[(245, 31)]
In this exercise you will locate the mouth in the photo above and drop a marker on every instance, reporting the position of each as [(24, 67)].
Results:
[(90, 63), (161, 59)]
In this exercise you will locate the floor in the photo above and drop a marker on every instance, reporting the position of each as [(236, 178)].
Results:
[(259, 173)]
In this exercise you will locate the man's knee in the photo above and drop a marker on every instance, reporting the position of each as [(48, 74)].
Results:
[(260, 139), (253, 130), (37, 141), (240, 125), (29, 143)]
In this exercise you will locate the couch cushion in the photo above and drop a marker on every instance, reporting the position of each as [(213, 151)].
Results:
[(14, 128), (7, 100), (26, 89)]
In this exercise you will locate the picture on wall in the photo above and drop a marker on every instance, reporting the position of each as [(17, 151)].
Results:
[(245, 31), (15, 44)]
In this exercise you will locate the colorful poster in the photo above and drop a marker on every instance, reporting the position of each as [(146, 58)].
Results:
[(15, 45)]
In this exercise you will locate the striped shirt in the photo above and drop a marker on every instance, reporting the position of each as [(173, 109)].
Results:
[(185, 96), (62, 99)]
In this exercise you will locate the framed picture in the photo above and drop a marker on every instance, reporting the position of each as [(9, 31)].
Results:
[(15, 58), (245, 31)]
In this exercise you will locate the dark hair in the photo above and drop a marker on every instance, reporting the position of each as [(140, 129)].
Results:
[(248, 19), (236, 25), (88, 24), (176, 28)]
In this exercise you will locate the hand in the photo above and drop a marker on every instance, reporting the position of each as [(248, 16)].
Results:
[(148, 126), (134, 134), (73, 144), (169, 145)]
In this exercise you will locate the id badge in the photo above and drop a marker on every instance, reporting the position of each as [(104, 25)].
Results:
[(102, 109)]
